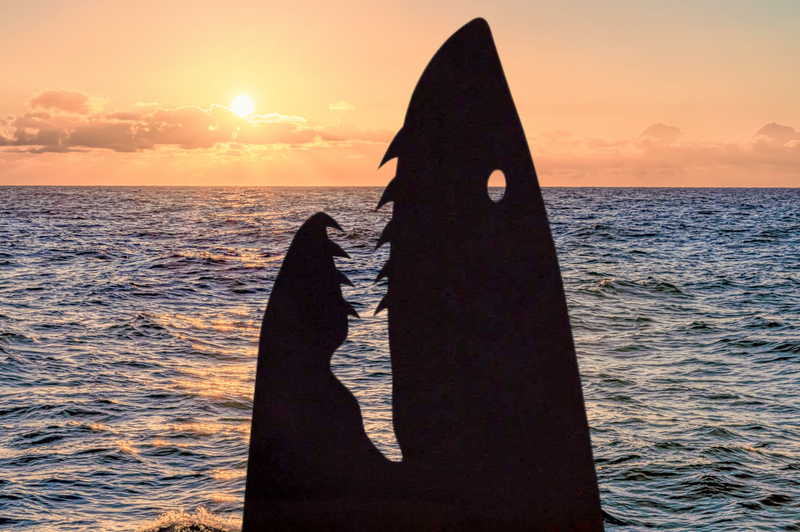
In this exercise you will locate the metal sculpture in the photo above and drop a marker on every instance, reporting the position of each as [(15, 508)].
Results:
[(488, 407)]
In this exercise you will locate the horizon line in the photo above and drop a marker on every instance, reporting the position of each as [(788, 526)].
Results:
[(372, 186)]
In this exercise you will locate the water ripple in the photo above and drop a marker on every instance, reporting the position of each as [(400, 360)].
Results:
[(129, 320)]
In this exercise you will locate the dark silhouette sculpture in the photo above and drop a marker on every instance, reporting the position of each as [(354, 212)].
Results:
[(308, 447), (488, 407)]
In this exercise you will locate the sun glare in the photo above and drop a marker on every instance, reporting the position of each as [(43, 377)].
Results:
[(243, 105)]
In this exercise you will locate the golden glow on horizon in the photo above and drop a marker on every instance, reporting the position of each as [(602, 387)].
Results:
[(243, 105), (591, 86)]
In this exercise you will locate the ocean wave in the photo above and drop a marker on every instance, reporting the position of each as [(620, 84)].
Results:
[(129, 322), (200, 521)]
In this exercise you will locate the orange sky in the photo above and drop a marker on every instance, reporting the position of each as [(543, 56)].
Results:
[(611, 93)]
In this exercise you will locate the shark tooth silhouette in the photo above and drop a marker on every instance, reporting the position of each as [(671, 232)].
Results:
[(487, 399), (308, 446)]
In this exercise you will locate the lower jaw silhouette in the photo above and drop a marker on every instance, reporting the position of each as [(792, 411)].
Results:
[(488, 406)]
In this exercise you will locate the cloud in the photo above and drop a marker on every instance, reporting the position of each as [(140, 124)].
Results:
[(782, 134), (69, 101), (558, 134), (656, 154), (603, 145), (59, 124), (664, 133), (227, 163), (124, 115), (61, 121), (342, 105)]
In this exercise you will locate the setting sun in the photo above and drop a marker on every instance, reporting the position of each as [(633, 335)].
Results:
[(243, 105)]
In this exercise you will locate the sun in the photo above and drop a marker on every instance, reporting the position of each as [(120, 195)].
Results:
[(243, 105)]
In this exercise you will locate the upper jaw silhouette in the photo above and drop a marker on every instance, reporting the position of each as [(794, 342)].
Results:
[(488, 407), (461, 125)]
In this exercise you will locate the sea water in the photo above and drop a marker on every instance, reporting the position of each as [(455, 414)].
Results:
[(129, 321)]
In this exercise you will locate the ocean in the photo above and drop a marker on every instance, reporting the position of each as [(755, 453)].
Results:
[(129, 322)]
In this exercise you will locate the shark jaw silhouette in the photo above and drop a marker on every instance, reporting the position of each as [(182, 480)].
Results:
[(487, 400), (308, 447), (488, 407)]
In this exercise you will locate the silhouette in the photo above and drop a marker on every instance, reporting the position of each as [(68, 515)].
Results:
[(308, 447), (488, 407)]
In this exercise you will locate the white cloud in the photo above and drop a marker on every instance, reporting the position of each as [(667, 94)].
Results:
[(342, 105), (772, 150), (68, 101), (61, 121)]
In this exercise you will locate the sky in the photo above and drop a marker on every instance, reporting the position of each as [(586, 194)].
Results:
[(610, 92)]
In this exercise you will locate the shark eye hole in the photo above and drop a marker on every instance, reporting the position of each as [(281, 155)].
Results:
[(496, 186)]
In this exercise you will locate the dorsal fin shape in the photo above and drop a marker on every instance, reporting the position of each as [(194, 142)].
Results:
[(386, 235)]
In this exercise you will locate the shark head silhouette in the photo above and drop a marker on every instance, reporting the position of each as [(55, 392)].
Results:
[(461, 125), (487, 394), (487, 402)]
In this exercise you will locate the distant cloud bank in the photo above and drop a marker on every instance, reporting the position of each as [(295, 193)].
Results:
[(193, 138), (68, 120), (659, 152)]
